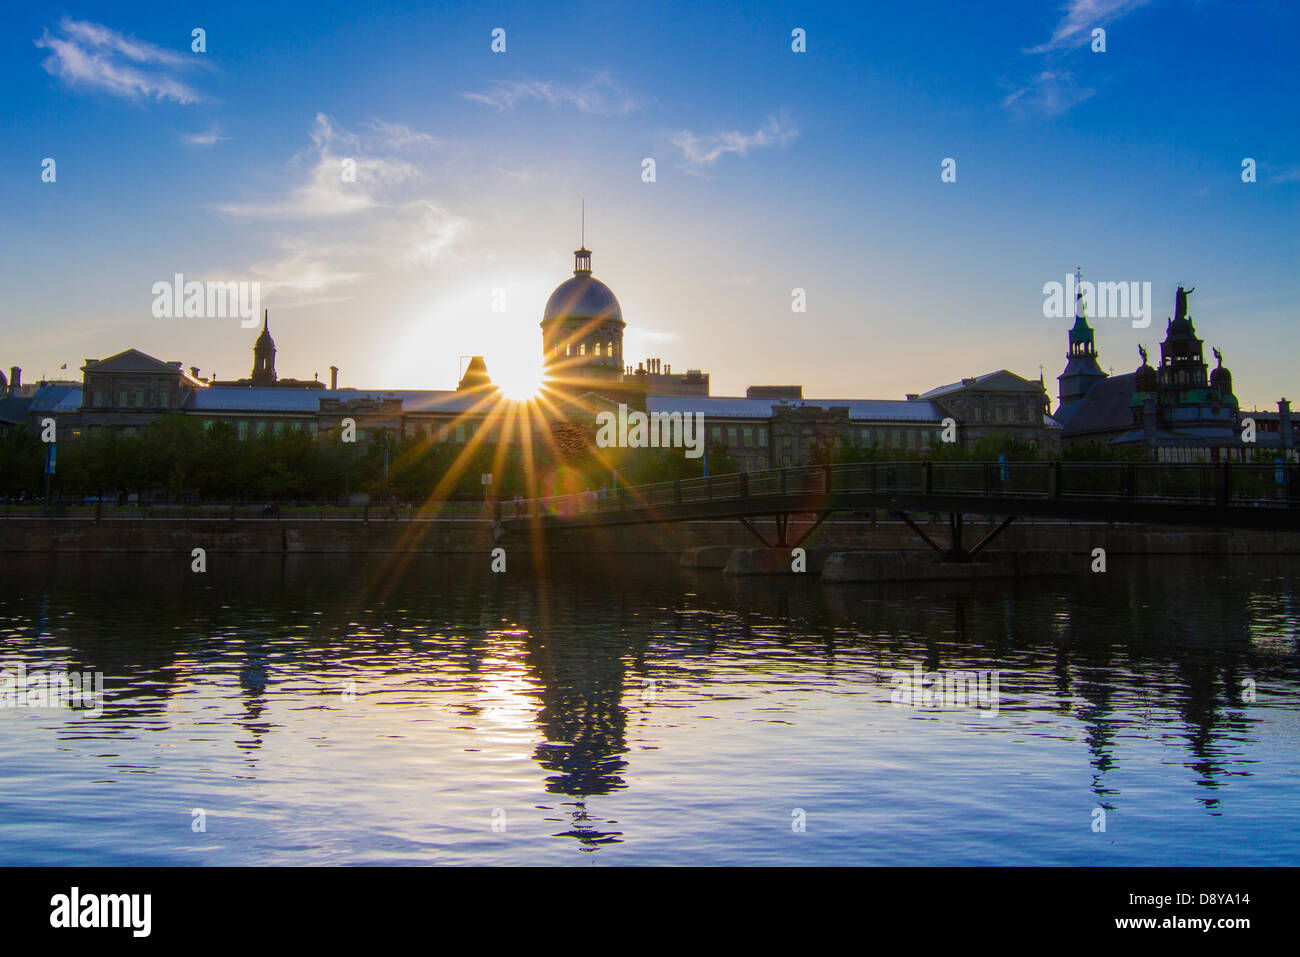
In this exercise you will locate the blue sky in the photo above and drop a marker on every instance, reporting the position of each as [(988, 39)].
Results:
[(774, 170)]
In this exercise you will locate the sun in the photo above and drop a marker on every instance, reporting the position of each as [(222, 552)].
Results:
[(518, 377)]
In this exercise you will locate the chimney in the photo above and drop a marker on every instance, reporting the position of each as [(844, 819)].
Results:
[(334, 377), (1284, 421), (15, 379), (194, 371)]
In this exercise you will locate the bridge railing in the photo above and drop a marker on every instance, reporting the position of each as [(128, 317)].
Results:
[(1188, 483)]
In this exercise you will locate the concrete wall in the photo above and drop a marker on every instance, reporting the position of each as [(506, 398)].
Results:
[(167, 535)]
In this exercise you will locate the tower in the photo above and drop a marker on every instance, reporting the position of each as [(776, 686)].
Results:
[(1081, 369), (264, 355), (1182, 359)]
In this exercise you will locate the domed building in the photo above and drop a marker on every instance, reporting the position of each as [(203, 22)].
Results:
[(582, 328)]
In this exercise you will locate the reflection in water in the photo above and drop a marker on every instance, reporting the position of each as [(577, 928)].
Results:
[(243, 674)]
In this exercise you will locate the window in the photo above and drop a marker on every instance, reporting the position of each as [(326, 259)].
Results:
[(243, 429), (597, 352), (98, 398), (277, 428), (582, 349), (762, 438), (717, 434), (121, 397), (259, 429), (609, 349), (165, 399), (460, 432), (748, 434), (731, 436), (567, 349), (139, 399)]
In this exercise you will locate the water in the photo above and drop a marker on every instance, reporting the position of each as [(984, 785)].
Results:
[(419, 710)]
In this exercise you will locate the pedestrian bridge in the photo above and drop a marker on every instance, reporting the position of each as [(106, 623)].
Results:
[(1219, 495)]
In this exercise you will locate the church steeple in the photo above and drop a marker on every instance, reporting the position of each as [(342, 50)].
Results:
[(1081, 336), (1081, 369), (264, 354)]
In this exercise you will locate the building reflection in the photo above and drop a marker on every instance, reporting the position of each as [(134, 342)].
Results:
[(1140, 656)]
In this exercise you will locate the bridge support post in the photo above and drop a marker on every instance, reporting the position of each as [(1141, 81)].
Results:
[(1222, 485)]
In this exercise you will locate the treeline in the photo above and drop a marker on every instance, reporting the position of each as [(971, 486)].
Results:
[(176, 458)]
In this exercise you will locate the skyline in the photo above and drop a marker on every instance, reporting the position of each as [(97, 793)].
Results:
[(775, 170)]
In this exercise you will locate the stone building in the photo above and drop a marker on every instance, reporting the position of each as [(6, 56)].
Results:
[(1179, 412)]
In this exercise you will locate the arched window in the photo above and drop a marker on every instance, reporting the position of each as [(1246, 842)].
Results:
[(582, 349), (597, 352), (567, 347), (609, 349)]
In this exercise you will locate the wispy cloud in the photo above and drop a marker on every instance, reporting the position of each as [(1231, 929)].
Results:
[(1291, 175), (1055, 90), (324, 189), (210, 138), (89, 55), (703, 151), (599, 95), (1081, 17), (335, 230), (1052, 92)]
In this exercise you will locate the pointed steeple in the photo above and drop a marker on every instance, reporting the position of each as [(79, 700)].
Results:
[(1081, 336), (1081, 369), (264, 354)]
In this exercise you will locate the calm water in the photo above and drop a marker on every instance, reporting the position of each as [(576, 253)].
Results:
[(622, 711)]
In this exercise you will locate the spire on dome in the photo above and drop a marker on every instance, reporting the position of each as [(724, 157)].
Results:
[(582, 256)]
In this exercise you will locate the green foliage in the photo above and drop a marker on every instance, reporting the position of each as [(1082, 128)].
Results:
[(21, 463)]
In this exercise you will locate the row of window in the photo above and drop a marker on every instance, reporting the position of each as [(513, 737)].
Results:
[(611, 351), (130, 399), (744, 437)]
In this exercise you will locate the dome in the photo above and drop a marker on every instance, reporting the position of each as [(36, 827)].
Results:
[(1145, 379), (583, 297)]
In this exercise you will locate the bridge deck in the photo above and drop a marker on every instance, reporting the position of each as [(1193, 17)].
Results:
[(1216, 495)]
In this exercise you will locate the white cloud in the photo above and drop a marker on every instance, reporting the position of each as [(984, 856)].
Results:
[(600, 95), (700, 151), (335, 233), (1081, 17), (324, 192), (1052, 92), (90, 55), (211, 138)]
